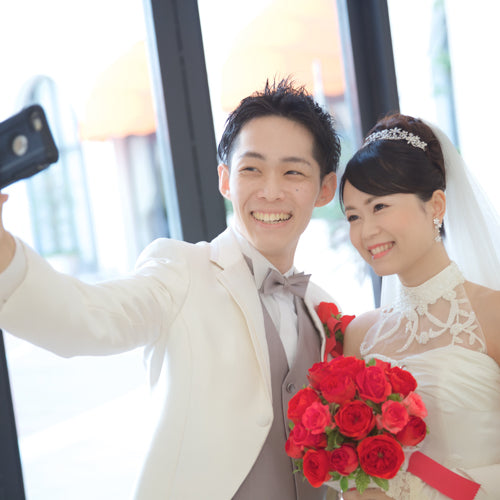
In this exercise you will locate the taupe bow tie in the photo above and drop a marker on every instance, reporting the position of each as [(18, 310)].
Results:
[(274, 281)]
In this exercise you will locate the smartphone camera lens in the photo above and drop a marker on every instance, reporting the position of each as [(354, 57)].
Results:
[(37, 122), (20, 145)]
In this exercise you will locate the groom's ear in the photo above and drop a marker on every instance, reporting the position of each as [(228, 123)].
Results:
[(438, 204), (223, 171), (327, 190)]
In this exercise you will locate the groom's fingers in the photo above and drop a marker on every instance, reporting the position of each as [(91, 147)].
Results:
[(3, 199), (7, 242)]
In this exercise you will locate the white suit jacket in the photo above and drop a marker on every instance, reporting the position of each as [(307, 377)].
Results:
[(196, 310)]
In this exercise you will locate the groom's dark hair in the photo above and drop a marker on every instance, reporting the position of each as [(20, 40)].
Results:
[(285, 99)]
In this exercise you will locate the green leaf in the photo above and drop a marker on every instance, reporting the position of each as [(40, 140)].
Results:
[(335, 475), (339, 336), (344, 483), (362, 480), (332, 439), (372, 362), (395, 397), (339, 440), (374, 406), (383, 483), (291, 425), (298, 465)]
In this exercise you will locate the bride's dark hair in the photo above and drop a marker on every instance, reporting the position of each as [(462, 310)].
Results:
[(387, 167)]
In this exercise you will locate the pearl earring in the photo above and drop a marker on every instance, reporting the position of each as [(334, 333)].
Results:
[(438, 225)]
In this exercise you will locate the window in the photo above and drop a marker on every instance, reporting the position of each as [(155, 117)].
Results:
[(445, 55), (265, 39)]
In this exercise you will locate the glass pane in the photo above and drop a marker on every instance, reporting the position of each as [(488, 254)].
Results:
[(82, 422), (264, 39), (445, 55)]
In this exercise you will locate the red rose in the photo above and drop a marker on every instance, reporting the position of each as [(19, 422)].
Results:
[(332, 348), (333, 324), (316, 441), (380, 456), (326, 310), (345, 320), (344, 460), (372, 384), (300, 402), (394, 416), (355, 419), (414, 432), (385, 365), (317, 373), (348, 364), (303, 438), (316, 418), (315, 467), (402, 381), (337, 387), (292, 448), (300, 435), (415, 405)]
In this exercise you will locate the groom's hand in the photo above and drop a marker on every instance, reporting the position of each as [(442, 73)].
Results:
[(369, 494), (7, 243)]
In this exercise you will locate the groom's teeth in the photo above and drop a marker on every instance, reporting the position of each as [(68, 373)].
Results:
[(271, 218)]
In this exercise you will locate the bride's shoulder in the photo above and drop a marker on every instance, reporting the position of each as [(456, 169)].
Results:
[(365, 320), (483, 298), (356, 331), (485, 303)]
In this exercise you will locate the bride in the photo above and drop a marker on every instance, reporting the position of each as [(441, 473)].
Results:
[(441, 317)]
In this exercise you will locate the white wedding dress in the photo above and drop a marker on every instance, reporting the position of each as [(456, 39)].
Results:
[(433, 332)]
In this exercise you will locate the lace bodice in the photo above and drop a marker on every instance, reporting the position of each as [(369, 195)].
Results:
[(434, 314)]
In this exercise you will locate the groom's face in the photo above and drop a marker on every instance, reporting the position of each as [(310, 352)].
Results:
[(273, 182)]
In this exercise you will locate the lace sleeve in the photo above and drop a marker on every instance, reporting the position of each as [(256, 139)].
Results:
[(406, 485)]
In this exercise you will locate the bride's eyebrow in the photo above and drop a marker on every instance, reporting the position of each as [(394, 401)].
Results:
[(366, 202)]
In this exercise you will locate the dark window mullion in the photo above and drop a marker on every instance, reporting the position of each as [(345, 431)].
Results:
[(11, 476), (182, 97)]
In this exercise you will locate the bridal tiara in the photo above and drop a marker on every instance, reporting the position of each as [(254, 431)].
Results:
[(396, 134)]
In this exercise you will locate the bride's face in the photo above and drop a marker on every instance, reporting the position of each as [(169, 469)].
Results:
[(393, 233)]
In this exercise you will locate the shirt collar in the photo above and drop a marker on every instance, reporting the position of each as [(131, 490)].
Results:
[(259, 262)]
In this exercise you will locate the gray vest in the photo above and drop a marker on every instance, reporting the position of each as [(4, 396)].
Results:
[(272, 477)]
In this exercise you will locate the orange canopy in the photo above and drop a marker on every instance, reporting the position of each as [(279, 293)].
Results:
[(299, 38), (120, 103)]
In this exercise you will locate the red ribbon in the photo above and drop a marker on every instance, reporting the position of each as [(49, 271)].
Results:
[(442, 479)]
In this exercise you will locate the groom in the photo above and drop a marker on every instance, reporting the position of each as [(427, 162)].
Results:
[(229, 325)]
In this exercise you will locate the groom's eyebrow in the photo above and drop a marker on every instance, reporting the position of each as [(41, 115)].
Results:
[(285, 159)]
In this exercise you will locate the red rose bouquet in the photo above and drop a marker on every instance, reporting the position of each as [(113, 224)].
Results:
[(352, 421)]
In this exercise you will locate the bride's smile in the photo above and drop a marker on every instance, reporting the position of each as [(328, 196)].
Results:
[(380, 249)]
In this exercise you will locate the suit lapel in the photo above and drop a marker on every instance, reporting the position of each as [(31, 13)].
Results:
[(311, 307), (235, 276)]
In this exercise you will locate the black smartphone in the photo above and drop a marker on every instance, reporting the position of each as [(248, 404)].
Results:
[(26, 145)]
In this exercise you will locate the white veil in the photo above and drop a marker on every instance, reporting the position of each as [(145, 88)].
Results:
[(472, 225)]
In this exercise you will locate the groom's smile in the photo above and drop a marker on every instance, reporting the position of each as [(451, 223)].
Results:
[(271, 218)]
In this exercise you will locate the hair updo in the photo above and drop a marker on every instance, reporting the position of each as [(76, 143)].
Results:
[(385, 167)]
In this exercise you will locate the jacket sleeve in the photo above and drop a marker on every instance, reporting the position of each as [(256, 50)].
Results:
[(70, 317)]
